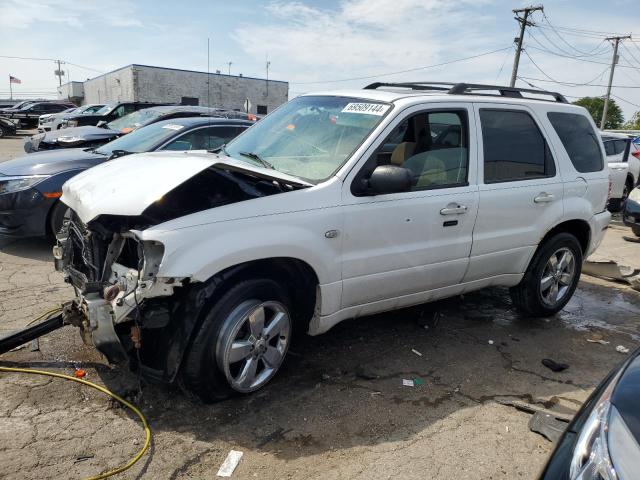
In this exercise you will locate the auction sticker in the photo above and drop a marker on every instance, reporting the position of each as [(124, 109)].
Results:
[(378, 109), (174, 127)]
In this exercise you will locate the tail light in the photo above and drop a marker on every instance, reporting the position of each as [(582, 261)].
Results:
[(636, 154)]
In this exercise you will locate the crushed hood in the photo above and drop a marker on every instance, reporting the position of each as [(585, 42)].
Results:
[(128, 185)]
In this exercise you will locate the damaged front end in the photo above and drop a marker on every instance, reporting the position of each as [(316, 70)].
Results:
[(113, 274)]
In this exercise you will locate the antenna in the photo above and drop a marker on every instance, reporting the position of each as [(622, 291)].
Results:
[(208, 76)]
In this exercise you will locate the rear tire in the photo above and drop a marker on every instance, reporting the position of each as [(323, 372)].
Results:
[(237, 349), (551, 278), (636, 230)]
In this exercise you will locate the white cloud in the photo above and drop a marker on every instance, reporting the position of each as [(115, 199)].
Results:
[(16, 14)]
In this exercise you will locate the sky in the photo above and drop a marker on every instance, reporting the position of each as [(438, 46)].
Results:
[(322, 45)]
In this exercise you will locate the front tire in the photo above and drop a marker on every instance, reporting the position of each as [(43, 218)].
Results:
[(551, 278), (56, 219), (242, 342), (636, 230)]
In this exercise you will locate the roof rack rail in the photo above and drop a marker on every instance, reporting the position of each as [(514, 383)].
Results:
[(471, 89)]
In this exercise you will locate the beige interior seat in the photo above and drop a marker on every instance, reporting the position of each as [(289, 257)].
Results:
[(402, 151)]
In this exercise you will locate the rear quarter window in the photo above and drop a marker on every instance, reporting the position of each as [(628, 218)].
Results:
[(579, 140)]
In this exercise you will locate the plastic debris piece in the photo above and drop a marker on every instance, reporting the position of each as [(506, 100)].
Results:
[(418, 382), (79, 373), (407, 382), (416, 352), (230, 463), (490, 342), (326, 377), (598, 340), (375, 393), (553, 365), (547, 425), (622, 349)]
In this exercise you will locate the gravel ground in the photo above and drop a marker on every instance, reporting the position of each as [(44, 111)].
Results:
[(338, 409)]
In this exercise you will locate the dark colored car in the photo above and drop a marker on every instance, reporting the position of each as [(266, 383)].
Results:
[(109, 112), (602, 442), (631, 212), (88, 136), (7, 127), (30, 186), (29, 114)]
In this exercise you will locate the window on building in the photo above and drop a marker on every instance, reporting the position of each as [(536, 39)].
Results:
[(261, 110), (514, 148), (193, 101), (579, 140)]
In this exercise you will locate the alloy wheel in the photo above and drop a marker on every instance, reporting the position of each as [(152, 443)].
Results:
[(558, 276), (253, 344)]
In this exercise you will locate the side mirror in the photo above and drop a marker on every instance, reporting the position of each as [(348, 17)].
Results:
[(390, 179), (101, 124)]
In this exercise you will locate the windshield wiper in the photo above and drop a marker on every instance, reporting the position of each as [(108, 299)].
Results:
[(118, 153), (258, 158)]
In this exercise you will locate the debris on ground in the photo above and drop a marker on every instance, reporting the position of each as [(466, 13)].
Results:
[(230, 463), (490, 342), (610, 270), (416, 352), (83, 458), (418, 382), (277, 434), (553, 365), (365, 374), (547, 425), (622, 349), (598, 339), (631, 239), (79, 373), (326, 377), (407, 382)]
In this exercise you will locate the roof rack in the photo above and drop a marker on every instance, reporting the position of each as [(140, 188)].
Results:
[(471, 89)]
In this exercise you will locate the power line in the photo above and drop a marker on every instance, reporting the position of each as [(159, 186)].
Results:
[(572, 47), (545, 49), (404, 71), (583, 59), (572, 84), (50, 60), (624, 100)]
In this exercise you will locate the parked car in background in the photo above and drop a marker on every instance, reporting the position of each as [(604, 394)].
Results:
[(28, 115), (17, 106), (30, 186), (54, 121), (94, 136), (631, 211), (334, 206), (623, 158), (7, 127), (107, 113), (602, 442)]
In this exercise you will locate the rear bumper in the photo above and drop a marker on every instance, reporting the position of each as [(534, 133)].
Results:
[(631, 214), (599, 224)]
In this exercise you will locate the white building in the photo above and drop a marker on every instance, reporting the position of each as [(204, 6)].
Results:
[(157, 84)]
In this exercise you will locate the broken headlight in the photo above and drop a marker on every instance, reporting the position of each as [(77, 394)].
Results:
[(15, 184), (605, 449)]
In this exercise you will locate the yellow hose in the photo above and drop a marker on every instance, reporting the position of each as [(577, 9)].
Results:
[(131, 407), (45, 314)]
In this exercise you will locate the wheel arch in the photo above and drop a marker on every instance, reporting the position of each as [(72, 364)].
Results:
[(576, 227)]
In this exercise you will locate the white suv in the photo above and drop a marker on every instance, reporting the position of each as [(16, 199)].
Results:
[(199, 266), (623, 159)]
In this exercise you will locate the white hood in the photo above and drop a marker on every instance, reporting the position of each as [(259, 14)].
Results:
[(128, 185)]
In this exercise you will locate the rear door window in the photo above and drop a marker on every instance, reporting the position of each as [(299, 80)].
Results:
[(579, 140), (514, 147)]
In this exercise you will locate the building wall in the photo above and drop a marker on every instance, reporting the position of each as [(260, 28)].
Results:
[(116, 86), (71, 91), (226, 91), (154, 84)]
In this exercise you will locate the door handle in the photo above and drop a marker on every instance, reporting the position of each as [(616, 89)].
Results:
[(544, 197), (453, 209)]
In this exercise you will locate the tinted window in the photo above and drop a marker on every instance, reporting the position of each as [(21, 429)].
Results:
[(261, 110), (514, 148), (209, 138), (579, 140), (619, 146), (432, 145)]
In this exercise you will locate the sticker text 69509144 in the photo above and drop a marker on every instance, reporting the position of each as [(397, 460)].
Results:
[(378, 109)]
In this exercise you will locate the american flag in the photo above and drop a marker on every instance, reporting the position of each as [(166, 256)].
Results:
[(14, 79)]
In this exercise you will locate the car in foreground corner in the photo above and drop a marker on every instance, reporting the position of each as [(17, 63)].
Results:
[(30, 186), (94, 136), (602, 442)]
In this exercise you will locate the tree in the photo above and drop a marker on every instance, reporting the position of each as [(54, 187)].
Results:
[(595, 105), (634, 123)]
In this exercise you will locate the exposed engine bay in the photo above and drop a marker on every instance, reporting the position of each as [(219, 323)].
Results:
[(119, 296)]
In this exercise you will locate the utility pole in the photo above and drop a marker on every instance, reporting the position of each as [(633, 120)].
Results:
[(59, 73), (614, 60), (523, 24), (229, 63), (268, 65)]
